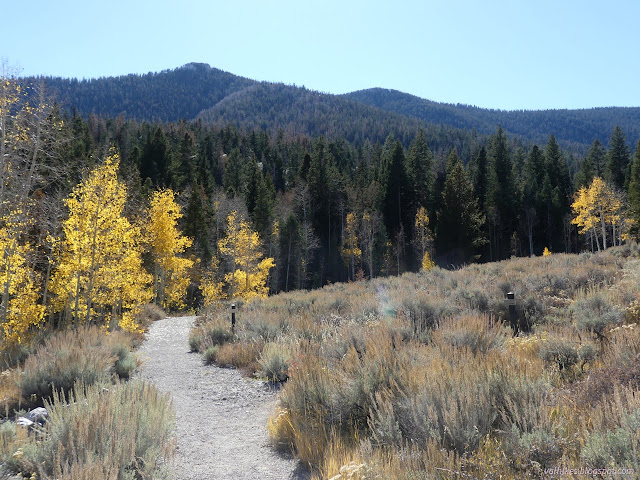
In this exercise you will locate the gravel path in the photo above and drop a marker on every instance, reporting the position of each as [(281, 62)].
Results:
[(220, 415)]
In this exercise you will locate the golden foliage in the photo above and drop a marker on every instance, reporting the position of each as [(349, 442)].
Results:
[(351, 252), (427, 263), (99, 272), (167, 243), (248, 278), (599, 206), (19, 307)]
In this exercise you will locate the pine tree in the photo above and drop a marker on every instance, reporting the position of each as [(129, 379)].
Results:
[(592, 166), (233, 176), (556, 194), (502, 201), (394, 183), (156, 158), (479, 169), (195, 224), (167, 245), (634, 194), (459, 229), (420, 173), (617, 160), (99, 275), (532, 207)]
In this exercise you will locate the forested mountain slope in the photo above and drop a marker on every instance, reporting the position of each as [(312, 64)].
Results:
[(196, 90), (167, 96), (568, 126)]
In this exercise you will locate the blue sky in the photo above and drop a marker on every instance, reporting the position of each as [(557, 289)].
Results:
[(495, 54)]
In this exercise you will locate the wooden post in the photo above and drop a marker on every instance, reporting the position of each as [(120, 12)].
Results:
[(233, 318), (513, 317)]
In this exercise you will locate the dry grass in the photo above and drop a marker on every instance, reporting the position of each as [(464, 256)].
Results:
[(420, 376), (121, 432), (85, 354)]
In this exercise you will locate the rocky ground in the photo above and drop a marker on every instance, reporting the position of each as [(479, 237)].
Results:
[(221, 416)]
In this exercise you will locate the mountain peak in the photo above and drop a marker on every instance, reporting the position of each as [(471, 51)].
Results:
[(195, 66)]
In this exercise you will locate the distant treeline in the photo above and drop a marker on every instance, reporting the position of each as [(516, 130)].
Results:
[(311, 198)]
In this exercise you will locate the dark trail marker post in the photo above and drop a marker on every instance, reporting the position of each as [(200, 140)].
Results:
[(513, 320), (233, 318)]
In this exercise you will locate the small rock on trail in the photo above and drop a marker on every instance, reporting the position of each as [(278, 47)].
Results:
[(221, 416)]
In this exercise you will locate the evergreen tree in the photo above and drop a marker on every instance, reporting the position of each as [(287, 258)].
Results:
[(617, 160), (556, 194), (459, 228), (502, 201), (263, 211), (182, 165), (393, 179), (195, 224), (592, 166), (233, 176), (634, 194), (479, 170), (532, 209), (156, 158), (420, 173)]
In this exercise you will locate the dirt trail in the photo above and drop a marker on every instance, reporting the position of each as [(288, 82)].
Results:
[(220, 415)]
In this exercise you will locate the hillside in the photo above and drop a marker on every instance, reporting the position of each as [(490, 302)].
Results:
[(569, 126), (295, 110), (166, 96), (197, 90), (431, 362)]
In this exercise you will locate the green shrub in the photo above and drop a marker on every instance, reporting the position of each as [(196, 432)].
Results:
[(219, 335), (85, 354), (120, 433), (209, 355), (560, 351), (274, 362), (268, 332), (195, 340), (126, 362), (619, 447)]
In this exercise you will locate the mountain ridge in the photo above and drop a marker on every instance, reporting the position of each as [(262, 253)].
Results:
[(199, 91)]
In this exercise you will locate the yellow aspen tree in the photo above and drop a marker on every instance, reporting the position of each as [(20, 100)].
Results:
[(19, 308), (167, 243), (241, 245), (423, 237), (585, 218), (546, 252), (601, 206), (351, 251), (99, 274), (212, 287)]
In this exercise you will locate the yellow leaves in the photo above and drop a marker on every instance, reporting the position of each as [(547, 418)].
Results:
[(423, 237), (247, 285), (351, 251), (427, 263), (99, 261), (19, 307), (166, 242), (242, 247), (598, 205), (422, 219), (546, 252)]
